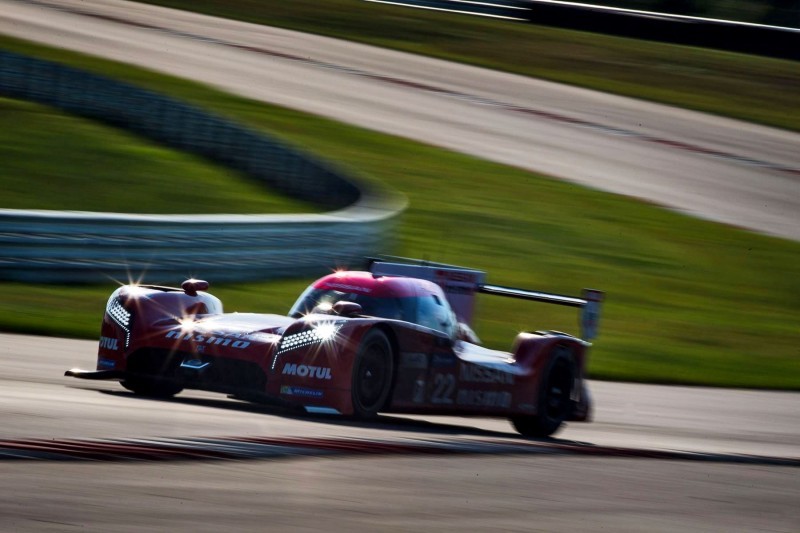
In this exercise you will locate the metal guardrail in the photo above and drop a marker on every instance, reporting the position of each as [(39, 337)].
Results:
[(501, 9), (55, 246)]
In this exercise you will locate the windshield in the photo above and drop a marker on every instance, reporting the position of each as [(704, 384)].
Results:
[(392, 308)]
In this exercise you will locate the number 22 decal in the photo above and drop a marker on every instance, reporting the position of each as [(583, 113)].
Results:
[(444, 385)]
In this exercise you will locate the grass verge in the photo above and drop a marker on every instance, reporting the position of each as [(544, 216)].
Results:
[(688, 301), (52, 160)]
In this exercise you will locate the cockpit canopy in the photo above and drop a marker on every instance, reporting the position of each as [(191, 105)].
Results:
[(407, 299)]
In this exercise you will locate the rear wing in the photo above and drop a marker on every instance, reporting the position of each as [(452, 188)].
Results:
[(589, 304), (460, 285)]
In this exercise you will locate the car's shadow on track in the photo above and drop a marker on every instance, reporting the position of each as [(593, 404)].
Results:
[(381, 422)]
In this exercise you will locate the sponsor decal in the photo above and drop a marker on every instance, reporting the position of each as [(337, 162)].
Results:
[(301, 391), (347, 288), (108, 343), (306, 371), (457, 282), (445, 391), (215, 339), (414, 360), (455, 275), (482, 374), (483, 398), (106, 363)]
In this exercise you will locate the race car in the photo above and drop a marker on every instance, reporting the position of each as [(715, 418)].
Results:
[(394, 338)]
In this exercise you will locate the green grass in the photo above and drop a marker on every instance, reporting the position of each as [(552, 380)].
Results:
[(56, 161), (752, 88), (688, 301)]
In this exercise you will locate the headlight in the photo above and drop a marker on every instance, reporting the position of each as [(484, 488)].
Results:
[(120, 315), (319, 333)]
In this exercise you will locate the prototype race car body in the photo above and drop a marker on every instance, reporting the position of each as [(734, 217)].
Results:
[(394, 339)]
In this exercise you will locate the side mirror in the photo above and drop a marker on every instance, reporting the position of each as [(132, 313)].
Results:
[(344, 308), (191, 286)]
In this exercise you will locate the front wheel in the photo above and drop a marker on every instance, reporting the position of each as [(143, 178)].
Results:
[(154, 388), (554, 402), (372, 374)]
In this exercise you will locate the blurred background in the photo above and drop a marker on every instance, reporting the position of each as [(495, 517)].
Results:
[(146, 145), (690, 301)]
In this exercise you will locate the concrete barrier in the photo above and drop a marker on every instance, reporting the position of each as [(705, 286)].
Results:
[(58, 247)]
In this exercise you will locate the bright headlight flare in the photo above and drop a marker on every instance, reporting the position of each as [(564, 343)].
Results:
[(326, 331), (319, 333), (135, 291), (187, 323)]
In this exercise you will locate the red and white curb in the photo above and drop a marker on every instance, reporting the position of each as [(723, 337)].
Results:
[(240, 448)]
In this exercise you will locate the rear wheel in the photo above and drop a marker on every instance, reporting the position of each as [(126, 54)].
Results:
[(554, 402), (372, 374)]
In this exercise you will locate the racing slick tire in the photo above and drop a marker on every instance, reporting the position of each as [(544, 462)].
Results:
[(372, 374), (154, 388), (555, 398)]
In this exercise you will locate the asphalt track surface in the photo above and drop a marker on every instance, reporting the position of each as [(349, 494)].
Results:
[(91, 456), (720, 169)]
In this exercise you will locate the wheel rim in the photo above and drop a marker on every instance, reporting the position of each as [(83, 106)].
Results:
[(371, 376), (557, 396)]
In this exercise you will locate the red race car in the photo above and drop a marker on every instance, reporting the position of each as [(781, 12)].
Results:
[(395, 338)]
